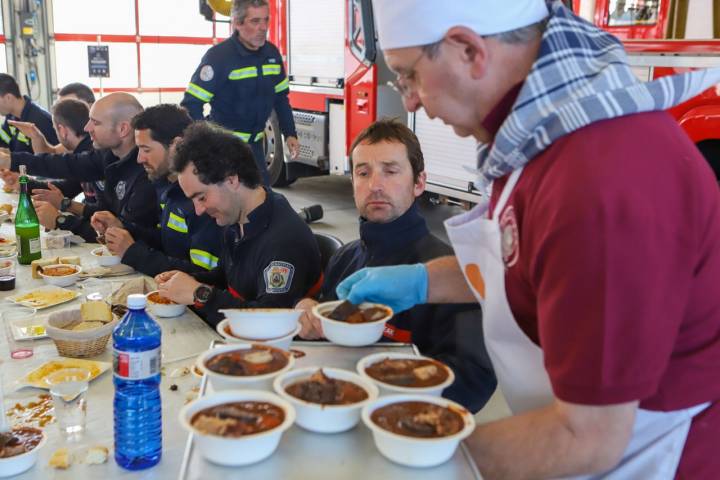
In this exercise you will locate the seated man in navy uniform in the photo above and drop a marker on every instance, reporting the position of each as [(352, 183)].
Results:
[(20, 107), (188, 242), (243, 80), (269, 257), (388, 174), (127, 193)]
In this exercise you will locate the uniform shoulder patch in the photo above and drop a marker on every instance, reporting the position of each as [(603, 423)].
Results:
[(278, 277), (207, 73)]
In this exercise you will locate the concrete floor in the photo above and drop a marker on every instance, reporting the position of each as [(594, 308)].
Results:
[(340, 218)]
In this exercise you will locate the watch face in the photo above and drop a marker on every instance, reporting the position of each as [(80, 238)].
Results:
[(202, 293)]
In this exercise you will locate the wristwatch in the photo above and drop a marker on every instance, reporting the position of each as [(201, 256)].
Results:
[(63, 221), (201, 295), (65, 204)]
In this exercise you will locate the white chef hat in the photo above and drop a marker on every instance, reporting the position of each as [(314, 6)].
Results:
[(410, 23)]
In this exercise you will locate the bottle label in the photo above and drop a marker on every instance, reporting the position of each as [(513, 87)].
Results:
[(136, 365), (34, 244)]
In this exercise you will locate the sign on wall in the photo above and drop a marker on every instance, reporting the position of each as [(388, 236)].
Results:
[(98, 61)]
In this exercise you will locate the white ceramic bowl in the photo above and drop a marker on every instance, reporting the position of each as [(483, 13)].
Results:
[(220, 381), (262, 323), (241, 450), (162, 309), (65, 280), (350, 334), (282, 343), (389, 389), (19, 463), (105, 260), (413, 451), (324, 418)]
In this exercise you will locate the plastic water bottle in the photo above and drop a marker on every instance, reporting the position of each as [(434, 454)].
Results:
[(137, 408)]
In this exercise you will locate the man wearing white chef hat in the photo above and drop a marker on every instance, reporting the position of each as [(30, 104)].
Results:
[(596, 256)]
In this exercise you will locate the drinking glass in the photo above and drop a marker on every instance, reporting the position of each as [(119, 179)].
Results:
[(11, 317), (68, 387)]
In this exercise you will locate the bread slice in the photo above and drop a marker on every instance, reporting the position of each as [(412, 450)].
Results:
[(95, 310), (96, 455), (70, 260), (41, 262), (60, 459), (87, 326)]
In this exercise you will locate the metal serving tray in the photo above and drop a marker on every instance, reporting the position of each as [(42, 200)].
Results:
[(307, 455)]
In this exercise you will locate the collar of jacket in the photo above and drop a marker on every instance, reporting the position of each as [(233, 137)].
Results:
[(386, 238), (257, 220), (163, 188), (26, 109), (85, 145), (128, 160)]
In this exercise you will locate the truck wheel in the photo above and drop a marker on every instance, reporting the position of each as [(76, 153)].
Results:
[(274, 155), (711, 151)]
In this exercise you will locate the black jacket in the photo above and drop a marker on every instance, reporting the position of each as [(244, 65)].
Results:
[(190, 243), (242, 87), (14, 140), (274, 264), (128, 193), (72, 188), (451, 333)]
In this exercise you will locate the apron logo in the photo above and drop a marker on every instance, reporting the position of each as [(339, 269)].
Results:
[(278, 277), (206, 73), (510, 237), (120, 189), (475, 279)]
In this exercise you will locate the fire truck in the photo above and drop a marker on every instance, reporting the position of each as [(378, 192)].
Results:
[(339, 82)]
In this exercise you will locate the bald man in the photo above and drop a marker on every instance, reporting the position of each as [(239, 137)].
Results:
[(128, 193)]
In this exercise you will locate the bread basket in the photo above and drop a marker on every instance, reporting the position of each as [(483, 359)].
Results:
[(77, 344)]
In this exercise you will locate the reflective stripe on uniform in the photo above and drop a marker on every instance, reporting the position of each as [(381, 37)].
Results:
[(271, 69), (162, 206), (199, 92), (284, 85), (241, 73), (4, 136), (22, 138), (245, 136), (177, 223), (203, 259)]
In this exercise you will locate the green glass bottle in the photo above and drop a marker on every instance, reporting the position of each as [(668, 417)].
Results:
[(27, 226)]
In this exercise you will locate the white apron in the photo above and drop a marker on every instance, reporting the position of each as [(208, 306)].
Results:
[(658, 437)]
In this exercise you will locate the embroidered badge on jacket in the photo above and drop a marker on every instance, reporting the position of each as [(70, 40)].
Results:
[(120, 189), (206, 73), (278, 277), (510, 237)]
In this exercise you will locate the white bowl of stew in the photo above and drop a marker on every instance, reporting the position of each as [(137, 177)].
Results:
[(240, 366), (396, 372), (326, 402), (237, 427), (417, 430)]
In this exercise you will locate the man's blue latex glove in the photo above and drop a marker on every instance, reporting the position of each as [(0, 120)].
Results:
[(400, 287)]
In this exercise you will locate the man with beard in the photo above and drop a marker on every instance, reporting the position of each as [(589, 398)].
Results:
[(269, 259), (189, 242), (128, 193)]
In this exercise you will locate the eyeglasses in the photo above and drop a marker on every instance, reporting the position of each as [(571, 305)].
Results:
[(405, 82)]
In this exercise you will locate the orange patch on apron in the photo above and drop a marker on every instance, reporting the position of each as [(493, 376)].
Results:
[(473, 275)]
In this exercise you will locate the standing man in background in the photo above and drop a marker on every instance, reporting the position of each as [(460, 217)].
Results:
[(243, 80), (15, 106)]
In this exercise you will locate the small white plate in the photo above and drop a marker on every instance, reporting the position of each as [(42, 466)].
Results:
[(29, 328), (47, 296)]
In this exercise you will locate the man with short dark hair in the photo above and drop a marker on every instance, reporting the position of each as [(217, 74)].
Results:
[(79, 91), (127, 193), (243, 79), (188, 242), (269, 258), (388, 174), (15, 106)]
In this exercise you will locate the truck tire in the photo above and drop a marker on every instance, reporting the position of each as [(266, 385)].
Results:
[(274, 153), (711, 151)]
